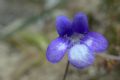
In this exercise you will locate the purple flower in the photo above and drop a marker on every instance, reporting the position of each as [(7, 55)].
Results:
[(75, 39)]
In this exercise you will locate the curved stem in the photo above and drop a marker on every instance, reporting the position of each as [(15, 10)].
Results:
[(66, 71)]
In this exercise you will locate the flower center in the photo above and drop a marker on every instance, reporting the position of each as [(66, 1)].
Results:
[(75, 38)]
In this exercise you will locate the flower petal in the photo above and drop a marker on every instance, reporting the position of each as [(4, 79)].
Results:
[(80, 23), (63, 25), (95, 41), (80, 56), (56, 49)]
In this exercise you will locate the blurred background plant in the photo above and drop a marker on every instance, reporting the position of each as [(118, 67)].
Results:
[(28, 26)]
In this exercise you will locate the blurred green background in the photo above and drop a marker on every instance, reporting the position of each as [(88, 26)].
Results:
[(28, 26)]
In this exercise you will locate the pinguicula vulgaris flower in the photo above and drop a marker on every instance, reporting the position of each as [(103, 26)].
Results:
[(76, 40)]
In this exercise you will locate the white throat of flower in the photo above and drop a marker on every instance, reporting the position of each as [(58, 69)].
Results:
[(76, 37)]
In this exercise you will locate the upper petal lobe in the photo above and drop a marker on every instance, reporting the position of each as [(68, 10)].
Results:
[(80, 56), (63, 25), (95, 41), (56, 49), (80, 23)]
